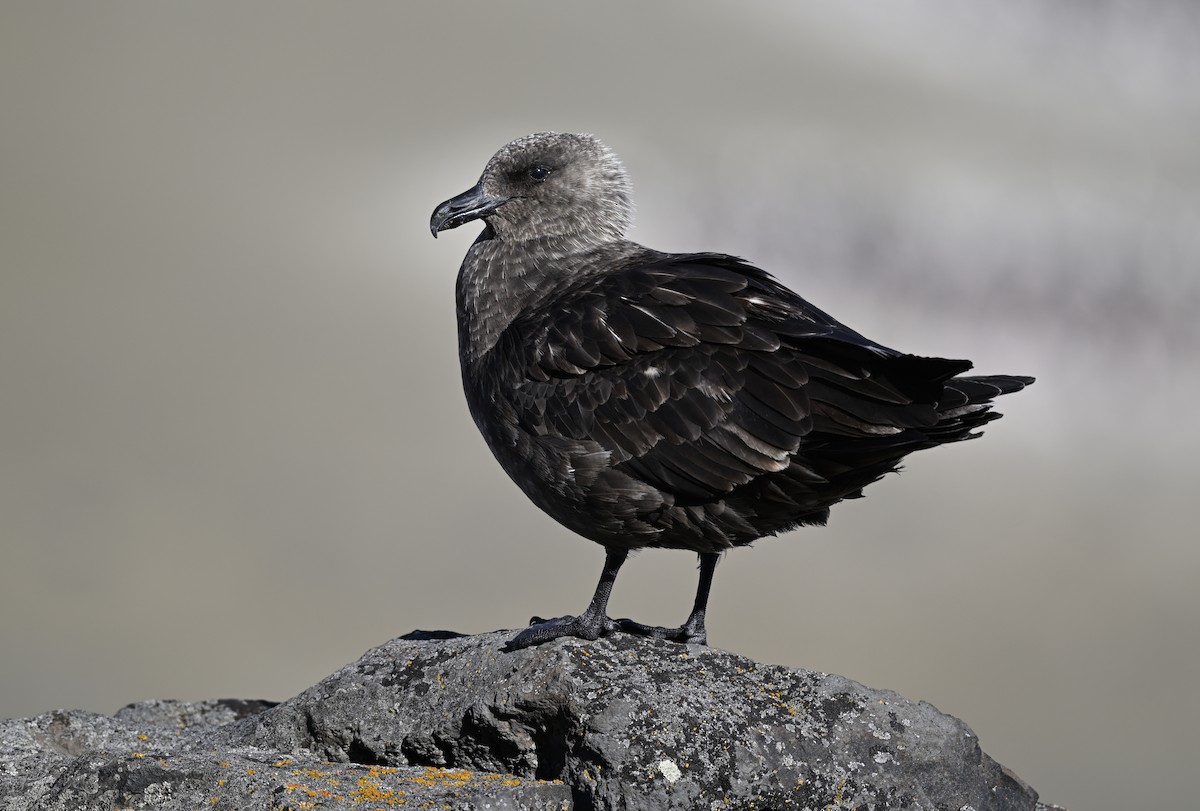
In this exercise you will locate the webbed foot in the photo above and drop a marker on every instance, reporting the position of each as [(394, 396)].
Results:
[(584, 626), (688, 633)]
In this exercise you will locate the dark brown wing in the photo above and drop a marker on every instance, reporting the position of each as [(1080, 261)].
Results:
[(699, 374)]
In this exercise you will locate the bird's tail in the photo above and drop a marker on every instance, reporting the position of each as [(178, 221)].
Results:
[(966, 404)]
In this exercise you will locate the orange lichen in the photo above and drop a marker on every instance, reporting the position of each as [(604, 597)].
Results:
[(837, 796), (370, 790), (434, 776)]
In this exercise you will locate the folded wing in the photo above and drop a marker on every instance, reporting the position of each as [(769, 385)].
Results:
[(699, 374)]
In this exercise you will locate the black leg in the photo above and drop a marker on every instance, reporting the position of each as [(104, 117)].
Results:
[(693, 629), (591, 624)]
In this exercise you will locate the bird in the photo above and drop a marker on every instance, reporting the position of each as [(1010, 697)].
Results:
[(687, 401)]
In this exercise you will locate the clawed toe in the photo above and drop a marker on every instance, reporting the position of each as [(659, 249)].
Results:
[(687, 634), (543, 630), (588, 627), (595, 623)]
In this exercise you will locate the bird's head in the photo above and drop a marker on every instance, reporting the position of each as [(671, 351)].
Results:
[(548, 184)]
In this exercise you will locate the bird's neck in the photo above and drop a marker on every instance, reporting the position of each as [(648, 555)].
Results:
[(499, 279)]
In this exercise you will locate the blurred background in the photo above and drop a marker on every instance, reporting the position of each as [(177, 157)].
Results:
[(234, 452)]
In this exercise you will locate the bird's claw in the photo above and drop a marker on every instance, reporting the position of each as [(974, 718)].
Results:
[(543, 630), (686, 634)]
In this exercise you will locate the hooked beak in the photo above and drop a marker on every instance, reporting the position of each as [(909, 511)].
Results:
[(470, 205)]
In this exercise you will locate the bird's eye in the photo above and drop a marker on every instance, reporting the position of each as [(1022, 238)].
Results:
[(538, 173)]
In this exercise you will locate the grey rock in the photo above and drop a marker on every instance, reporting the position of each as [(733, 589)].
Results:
[(441, 720)]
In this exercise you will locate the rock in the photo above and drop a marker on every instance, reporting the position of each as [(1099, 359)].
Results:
[(441, 720)]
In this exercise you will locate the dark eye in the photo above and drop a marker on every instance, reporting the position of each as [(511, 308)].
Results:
[(538, 173)]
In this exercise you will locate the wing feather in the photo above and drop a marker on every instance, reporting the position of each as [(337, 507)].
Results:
[(699, 374)]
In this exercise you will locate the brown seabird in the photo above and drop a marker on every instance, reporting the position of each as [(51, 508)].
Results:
[(649, 399)]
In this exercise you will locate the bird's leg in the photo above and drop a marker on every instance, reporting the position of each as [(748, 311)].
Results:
[(693, 629), (591, 624)]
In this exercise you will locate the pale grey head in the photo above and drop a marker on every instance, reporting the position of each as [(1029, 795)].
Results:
[(546, 185)]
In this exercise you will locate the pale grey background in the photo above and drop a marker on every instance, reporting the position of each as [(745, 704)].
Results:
[(234, 452)]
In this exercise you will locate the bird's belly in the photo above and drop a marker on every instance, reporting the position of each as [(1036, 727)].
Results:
[(572, 482), (575, 483)]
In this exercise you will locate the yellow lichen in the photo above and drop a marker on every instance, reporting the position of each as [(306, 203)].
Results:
[(837, 795), (370, 790)]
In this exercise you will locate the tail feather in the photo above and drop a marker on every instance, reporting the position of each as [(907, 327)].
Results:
[(832, 465), (966, 404)]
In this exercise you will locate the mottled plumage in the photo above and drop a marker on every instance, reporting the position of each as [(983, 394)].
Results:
[(687, 401)]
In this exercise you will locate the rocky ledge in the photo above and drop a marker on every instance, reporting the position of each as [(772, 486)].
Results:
[(439, 720)]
